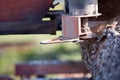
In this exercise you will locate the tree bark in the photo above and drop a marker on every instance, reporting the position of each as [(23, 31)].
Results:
[(102, 57)]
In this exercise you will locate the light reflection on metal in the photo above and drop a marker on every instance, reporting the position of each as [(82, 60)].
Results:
[(83, 7)]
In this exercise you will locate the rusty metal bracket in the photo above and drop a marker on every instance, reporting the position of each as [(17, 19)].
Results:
[(75, 26)]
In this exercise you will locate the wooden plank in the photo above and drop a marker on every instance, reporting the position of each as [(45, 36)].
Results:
[(61, 79), (38, 68), (5, 78)]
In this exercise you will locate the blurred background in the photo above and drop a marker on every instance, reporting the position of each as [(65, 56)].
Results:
[(22, 48)]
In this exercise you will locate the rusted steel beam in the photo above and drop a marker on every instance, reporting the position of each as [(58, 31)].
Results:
[(45, 27), (54, 13), (17, 10), (25, 17), (38, 68)]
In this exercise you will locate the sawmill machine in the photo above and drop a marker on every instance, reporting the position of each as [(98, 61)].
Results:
[(25, 16)]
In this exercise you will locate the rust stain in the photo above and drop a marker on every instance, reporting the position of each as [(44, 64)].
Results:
[(75, 22), (64, 26), (12, 10)]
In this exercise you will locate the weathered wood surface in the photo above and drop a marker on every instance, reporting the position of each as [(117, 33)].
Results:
[(101, 55), (49, 67), (108, 58)]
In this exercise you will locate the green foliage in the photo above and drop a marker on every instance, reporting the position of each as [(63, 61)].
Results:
[(60, 53), (7, 61), (10, 56)]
